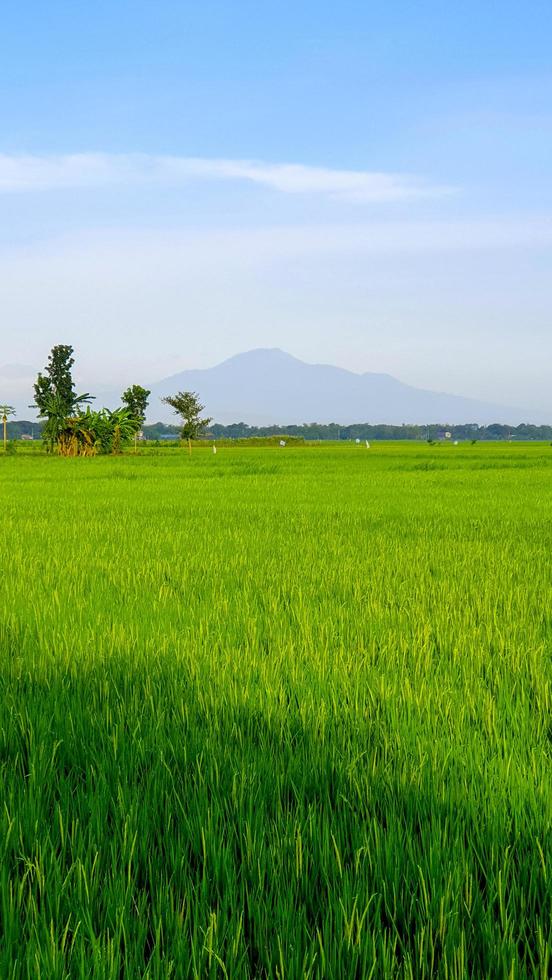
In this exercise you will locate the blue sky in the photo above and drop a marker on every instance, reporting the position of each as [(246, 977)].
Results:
[(361, 183)]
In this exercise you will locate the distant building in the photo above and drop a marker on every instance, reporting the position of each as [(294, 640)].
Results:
[(26, 437)]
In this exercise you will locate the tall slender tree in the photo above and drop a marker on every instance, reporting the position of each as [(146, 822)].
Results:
[(55, 396), (187, 405)]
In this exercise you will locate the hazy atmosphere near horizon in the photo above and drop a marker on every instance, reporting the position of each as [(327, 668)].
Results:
[(363, 185)]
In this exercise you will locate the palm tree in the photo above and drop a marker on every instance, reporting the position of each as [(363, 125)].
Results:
[(5, 411)]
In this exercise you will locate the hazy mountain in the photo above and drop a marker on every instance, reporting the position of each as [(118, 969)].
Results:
[(268, 386)]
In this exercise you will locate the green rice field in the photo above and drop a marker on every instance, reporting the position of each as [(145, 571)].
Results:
[(280, 713)]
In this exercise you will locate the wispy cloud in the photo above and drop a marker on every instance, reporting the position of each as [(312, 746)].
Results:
[(26, 173)]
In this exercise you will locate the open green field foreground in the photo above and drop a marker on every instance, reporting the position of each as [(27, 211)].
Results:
[(277, 713)]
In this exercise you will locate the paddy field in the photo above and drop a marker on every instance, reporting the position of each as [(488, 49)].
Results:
[(278, 712)]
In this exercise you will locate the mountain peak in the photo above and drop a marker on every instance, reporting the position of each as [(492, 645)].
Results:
[(262, 355)]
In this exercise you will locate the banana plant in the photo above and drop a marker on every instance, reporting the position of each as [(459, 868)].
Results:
[(110, 429), (101, 431), (60, 419)]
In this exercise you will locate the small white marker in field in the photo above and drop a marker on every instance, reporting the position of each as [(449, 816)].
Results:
[(357, 441), (215, 450), (367, 444), (282, 443), (456, 442)]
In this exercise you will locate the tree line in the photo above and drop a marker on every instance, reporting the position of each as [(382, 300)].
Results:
[(332, 431), (364, 430)]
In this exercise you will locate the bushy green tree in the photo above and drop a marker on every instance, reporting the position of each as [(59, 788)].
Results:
[(135, 399), (187, 405)]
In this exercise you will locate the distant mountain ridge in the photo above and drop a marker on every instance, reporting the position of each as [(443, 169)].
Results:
[(268, 386)]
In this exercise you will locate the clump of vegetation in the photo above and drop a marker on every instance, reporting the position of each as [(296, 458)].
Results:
[(72, 431), (91, 432)]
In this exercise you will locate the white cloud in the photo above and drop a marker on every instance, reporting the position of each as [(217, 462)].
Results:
[(26, 173)]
